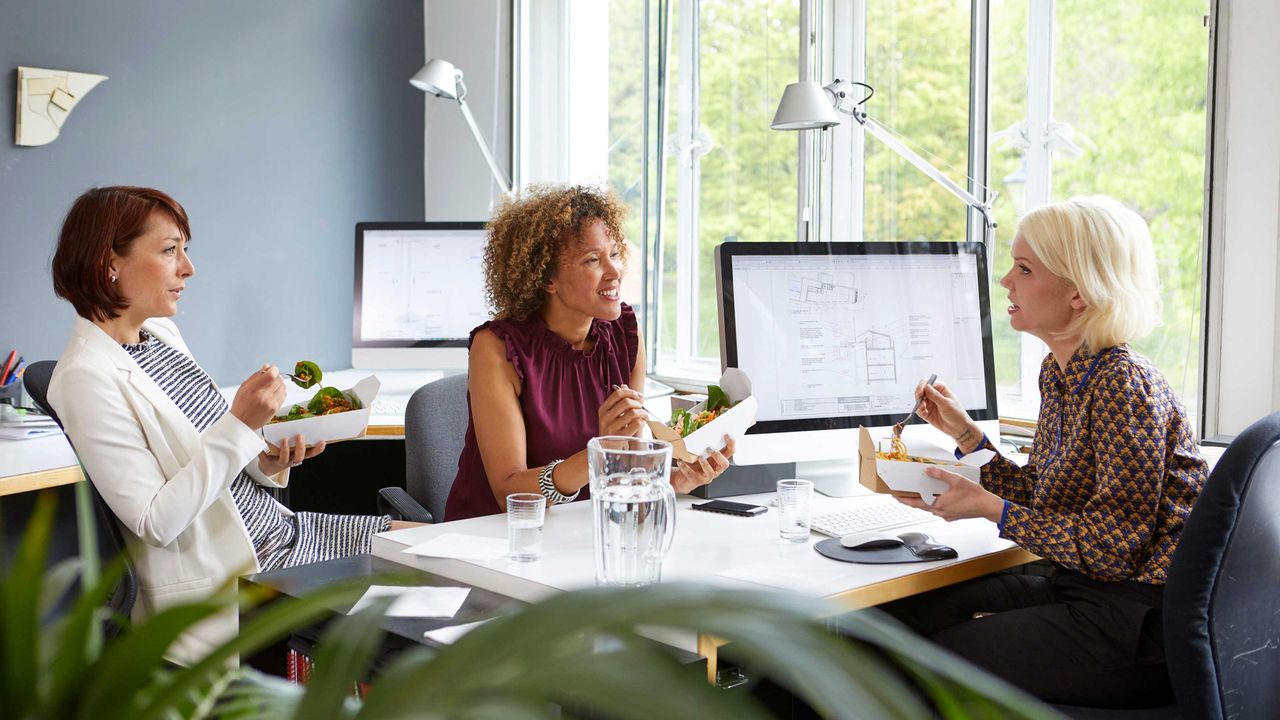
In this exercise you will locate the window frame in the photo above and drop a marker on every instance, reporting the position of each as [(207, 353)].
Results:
[(824, 54)]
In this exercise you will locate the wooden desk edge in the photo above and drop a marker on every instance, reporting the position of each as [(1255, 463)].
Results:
[(896, 589), (385, 430), (40, 479)]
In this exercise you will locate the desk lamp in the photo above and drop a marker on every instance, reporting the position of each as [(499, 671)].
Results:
[(808, 106), (440, 78)]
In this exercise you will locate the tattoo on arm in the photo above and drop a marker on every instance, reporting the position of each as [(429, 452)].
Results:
[(966, 437)]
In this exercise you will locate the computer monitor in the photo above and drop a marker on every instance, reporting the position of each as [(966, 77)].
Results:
[(837, 335), (419, 291)]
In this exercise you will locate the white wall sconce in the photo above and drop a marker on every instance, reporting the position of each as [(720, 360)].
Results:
[(45, 100)]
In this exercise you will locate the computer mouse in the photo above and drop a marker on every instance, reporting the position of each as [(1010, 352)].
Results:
[(870, 541), (937, 552)]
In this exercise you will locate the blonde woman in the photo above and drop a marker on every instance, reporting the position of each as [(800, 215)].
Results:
[(1112, 476)]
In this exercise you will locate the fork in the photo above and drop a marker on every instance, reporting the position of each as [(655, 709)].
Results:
[(294, 379), (652, 414), (897, 429)]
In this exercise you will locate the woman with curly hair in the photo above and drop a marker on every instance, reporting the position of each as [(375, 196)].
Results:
[(543, 372)]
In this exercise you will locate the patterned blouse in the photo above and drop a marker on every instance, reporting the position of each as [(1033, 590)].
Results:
[(1113, 472), (280, 539)]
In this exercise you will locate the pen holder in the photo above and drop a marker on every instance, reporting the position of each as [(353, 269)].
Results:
[(11, 394)]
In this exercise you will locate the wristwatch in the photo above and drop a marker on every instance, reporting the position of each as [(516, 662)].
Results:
[(548, 486)]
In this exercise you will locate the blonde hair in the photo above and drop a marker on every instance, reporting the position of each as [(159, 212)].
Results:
[(1103, 249), (528, 232)]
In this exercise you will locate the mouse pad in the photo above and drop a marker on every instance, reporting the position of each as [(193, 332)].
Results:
[(832, 548)]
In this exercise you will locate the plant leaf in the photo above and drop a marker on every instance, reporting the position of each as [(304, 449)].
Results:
[(255, 695), (345, 650), (19, 612), (58, 581), (121, 675), (79, 642), (268, 625)]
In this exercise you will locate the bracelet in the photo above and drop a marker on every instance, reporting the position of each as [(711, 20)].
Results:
[(548, 486)]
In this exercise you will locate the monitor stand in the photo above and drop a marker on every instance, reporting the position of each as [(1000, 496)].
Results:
[(833, 478), (828, 457), (449, 360)]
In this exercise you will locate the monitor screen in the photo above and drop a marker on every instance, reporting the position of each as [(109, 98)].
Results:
[(417, 285), (837, 335)]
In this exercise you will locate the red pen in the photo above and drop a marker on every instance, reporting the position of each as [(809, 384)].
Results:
[(8, 365), (16, 372)]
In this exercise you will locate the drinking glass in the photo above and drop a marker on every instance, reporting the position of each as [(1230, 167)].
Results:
[(525, 514), (794, 499)]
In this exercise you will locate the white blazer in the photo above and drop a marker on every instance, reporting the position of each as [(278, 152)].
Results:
[(168, 485)]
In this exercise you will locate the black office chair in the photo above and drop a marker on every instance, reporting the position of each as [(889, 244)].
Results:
[(435, 430), (1221, 606), (110, 539)]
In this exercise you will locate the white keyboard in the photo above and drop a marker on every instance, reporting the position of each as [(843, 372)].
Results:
[(389, 406), (873, 516)]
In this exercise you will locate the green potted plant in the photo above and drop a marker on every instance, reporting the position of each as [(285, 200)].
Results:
[(577, 652)]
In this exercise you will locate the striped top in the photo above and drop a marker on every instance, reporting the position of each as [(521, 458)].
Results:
[(1113, 472), (279, 539)]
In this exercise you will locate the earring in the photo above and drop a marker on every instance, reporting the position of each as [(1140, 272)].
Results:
[(113, 279)]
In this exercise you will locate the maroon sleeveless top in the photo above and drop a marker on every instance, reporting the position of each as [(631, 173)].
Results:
[(561, 391)]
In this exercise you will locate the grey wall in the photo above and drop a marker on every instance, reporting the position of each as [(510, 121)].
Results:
[(474, 35), (278, 124)]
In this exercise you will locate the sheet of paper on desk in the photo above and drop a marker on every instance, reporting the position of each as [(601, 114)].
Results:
[(449, 635), (461, 547), (777, 574), (20, 432), (415, 601)]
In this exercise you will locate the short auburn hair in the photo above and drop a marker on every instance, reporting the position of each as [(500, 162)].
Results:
[(1103, 249), (527, 234), (102, 221)]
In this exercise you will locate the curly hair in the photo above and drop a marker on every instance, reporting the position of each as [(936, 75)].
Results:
[(528, 233)]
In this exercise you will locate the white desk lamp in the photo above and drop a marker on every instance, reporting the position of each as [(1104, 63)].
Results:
[(440, 78), (808, 106)]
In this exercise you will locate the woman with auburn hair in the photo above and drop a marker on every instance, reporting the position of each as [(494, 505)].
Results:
[(185, 475), (542, 373), (1112, 475)]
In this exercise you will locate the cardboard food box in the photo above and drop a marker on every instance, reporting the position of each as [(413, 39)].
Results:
[(710, 437), (906, 478), (330, 428)]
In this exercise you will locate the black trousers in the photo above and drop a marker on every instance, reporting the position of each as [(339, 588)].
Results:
[(1063, 637)]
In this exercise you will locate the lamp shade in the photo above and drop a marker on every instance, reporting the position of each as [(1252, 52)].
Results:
[(804, 106), (437, 77)]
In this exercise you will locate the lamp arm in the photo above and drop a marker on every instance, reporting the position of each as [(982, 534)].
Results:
[(498, 175), (924, 166)]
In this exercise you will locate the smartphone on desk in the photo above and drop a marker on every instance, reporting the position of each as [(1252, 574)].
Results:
[(730, 508)]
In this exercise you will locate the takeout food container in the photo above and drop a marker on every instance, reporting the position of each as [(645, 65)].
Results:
[(906, 478), (330, 428), (710, 437)]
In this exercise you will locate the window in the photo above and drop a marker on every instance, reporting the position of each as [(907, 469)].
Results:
[(1115, 100), (671, 101), (726, 177), (1116, 96)]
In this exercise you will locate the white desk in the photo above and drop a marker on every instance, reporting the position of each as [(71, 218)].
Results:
[(706, 544), (38, 463)]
